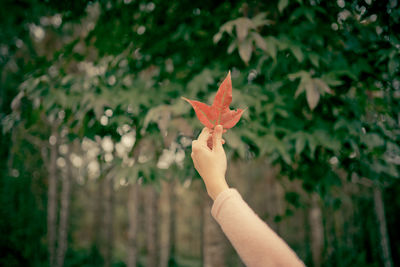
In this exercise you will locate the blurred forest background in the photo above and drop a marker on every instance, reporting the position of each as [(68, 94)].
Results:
[(95, 140)]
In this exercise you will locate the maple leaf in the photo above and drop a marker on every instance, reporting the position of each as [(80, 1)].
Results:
[(218, 113)]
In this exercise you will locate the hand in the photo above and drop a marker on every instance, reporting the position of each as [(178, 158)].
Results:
[(211, 163)]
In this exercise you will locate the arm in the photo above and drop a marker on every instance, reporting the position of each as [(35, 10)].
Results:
[(256, 243)]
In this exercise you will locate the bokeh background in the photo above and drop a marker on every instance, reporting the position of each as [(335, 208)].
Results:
[(95, 138)]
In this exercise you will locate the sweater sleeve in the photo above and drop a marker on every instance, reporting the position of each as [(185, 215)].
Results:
[(256, 243)]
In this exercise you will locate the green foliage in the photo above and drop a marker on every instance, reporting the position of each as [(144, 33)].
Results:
[(320, 82), (336, 85), (22, 221)]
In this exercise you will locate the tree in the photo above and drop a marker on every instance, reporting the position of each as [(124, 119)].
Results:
[(64, 211), (319, 80)]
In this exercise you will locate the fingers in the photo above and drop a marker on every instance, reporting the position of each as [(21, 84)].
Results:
[(204, 136), (196, 147), (193, 158), (207, 140), (222, 140), (217, 137)]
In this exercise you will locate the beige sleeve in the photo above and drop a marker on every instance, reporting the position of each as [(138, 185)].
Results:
[(256, 243)]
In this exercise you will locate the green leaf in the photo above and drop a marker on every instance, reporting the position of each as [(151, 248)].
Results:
[(372, 140), (331, 79), (312, 144), (270, 43), (201, 81), (300, 89), (296, 51), (243, 25), (227, 27), (393, 66), (300, 74), (8, 122), (325, 139), (233, 140), (322, 86), (232, 47), (217, 37), (260, 20), (259, 41), (314, 58), (312, 94), (300, 143), (160, 115), (282, 4), (245, 50), (282, 112), (283, 152)]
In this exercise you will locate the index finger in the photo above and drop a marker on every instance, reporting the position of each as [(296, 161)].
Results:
[(205, 133)]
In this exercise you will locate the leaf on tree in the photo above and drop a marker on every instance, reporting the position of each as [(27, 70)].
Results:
[(218, 113), (245, 50), (312, 94)]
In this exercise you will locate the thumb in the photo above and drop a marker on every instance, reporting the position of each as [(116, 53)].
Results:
[(217, 137)]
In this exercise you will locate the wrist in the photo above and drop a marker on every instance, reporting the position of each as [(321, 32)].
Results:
[(215, 187)]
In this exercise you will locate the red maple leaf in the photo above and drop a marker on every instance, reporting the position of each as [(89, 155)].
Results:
[(218, 113)]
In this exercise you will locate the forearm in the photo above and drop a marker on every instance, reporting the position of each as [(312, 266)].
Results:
[(256, 243)]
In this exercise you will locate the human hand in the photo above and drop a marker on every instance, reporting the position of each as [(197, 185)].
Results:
[(210, 163)]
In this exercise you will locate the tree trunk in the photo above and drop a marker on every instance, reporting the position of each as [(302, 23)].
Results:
[(52, 200), (172, 226), (64, 213), (165, 210), (383, 233), (133, 213), (108, 219), (151, 227), (167, 232), (213, 242), (317, 230), (98, 214), (97, 228)]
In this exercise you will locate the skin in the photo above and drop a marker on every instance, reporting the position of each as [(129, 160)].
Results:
[(211, 163), (264, 247)]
